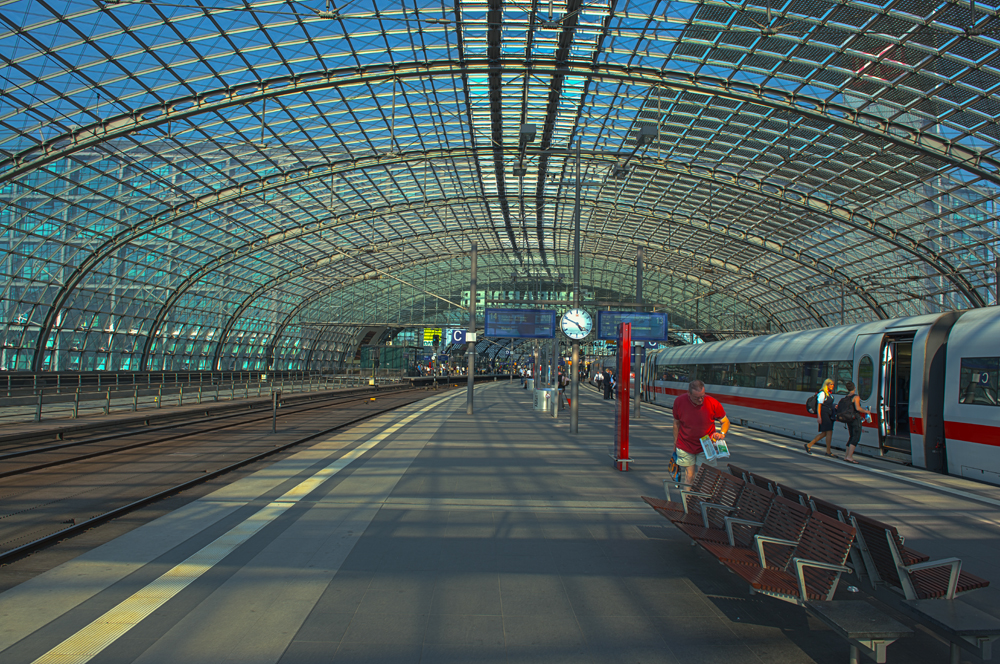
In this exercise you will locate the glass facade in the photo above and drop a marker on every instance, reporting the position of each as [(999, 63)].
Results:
[(261, 186)]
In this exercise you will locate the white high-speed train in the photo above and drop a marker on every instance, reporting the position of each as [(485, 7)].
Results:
[(931, 380)]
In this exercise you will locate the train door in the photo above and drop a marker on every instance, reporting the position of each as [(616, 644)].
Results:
[(867, 351), (894, 393)]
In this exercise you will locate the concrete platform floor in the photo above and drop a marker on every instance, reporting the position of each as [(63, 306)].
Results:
[(428, 535)]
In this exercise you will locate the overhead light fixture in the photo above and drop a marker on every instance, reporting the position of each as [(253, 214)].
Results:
[(438, 21), (646, 136), (328, 13), (520, 171), (527, 133), (619, 172)]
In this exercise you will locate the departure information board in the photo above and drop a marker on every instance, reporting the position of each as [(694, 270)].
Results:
[(645, 326), (521, 323)]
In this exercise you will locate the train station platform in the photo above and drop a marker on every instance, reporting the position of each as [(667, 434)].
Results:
[(428, 535)]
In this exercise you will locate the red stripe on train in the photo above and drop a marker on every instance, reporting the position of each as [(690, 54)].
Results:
[(973, 433), (983, 434)]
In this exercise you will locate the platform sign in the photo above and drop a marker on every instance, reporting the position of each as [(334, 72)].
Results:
[(430, 333), (521, 323), (645, 326), (623, 370)]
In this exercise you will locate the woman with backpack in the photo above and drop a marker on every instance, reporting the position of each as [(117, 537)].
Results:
[(854, 423), (824, 416)]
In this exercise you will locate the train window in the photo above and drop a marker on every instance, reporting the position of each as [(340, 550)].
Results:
[(715, 374), (978, 381), (812, 376), (866, 377), (783, 376), (743, 375), (841, 372)]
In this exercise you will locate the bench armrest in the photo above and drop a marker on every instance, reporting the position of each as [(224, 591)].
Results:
[(760, 540), (800, 566), (667, 483), (686, 494), (956, 572), (715, 506), (730, 520)]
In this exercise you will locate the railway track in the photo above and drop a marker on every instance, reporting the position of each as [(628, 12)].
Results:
[(118, 442), (53, 492)]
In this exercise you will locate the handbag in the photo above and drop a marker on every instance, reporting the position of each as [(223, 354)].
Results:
[(675, 471)]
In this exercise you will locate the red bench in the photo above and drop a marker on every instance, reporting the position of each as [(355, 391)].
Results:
[(814, 563), (890, 562), (782, 525), (729, 525)]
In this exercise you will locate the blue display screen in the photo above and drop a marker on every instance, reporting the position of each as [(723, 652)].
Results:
[(645, 326), (521, 323)]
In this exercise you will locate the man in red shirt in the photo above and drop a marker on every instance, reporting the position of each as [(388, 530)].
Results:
[(695, 415)]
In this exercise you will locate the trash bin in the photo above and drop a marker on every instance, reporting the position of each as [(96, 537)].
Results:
[(545, 398), (530, 382)]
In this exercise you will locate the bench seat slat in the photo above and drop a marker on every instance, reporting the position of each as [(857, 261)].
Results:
[(933, 583), (771, 580)]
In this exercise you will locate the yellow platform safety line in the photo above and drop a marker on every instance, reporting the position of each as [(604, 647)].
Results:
[(102, 632)]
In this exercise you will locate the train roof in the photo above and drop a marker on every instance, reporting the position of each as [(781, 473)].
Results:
[(827, 343)]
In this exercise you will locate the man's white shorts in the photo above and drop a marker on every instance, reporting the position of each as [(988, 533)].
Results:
[(688, 459)]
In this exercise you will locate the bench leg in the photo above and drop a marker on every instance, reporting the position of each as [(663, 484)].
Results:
[(956, 653), (855, 655)]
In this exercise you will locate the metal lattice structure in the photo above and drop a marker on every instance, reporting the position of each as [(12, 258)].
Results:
[(203, 184)]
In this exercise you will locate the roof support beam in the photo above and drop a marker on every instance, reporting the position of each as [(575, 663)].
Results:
[(92, 135)]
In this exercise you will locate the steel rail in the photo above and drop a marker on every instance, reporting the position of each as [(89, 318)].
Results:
[(166, 427), (92, 455)]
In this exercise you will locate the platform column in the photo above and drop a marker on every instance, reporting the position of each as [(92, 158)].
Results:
[(471, 349)]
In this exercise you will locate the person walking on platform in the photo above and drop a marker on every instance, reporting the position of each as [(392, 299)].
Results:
[(695, 415), (563, 382), (854, 426), (824, 416), (609, 381), (599, 381)]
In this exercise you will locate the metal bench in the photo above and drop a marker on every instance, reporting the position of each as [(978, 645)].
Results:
[(704, 484), (751, 507), (813, 566), (762, 481), (781, 527), (738, 472), (791, 494), (724, 496), (890, 562), (929, 588)]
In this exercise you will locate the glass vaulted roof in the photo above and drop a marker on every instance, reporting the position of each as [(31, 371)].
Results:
[(217, 184)]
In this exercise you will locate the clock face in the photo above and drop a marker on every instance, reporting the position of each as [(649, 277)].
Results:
[(576, 323)]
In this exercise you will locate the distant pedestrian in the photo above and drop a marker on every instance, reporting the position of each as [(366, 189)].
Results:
[(599, 380), (854, 426), (609, 382), (824, 417), (563, 382), (695, 415)]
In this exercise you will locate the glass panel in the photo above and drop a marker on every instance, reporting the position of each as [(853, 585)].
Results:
[(978, 381), (866, 376), (783, 376)]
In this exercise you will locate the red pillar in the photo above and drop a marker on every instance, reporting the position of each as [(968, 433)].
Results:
[(623, 401)]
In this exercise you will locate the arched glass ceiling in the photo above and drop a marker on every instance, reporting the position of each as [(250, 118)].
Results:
[(207, 183)]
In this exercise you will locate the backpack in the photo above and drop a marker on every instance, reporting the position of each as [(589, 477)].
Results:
[(812, 403), (845, 410)]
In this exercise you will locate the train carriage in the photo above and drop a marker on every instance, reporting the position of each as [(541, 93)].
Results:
[(930, 380)]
